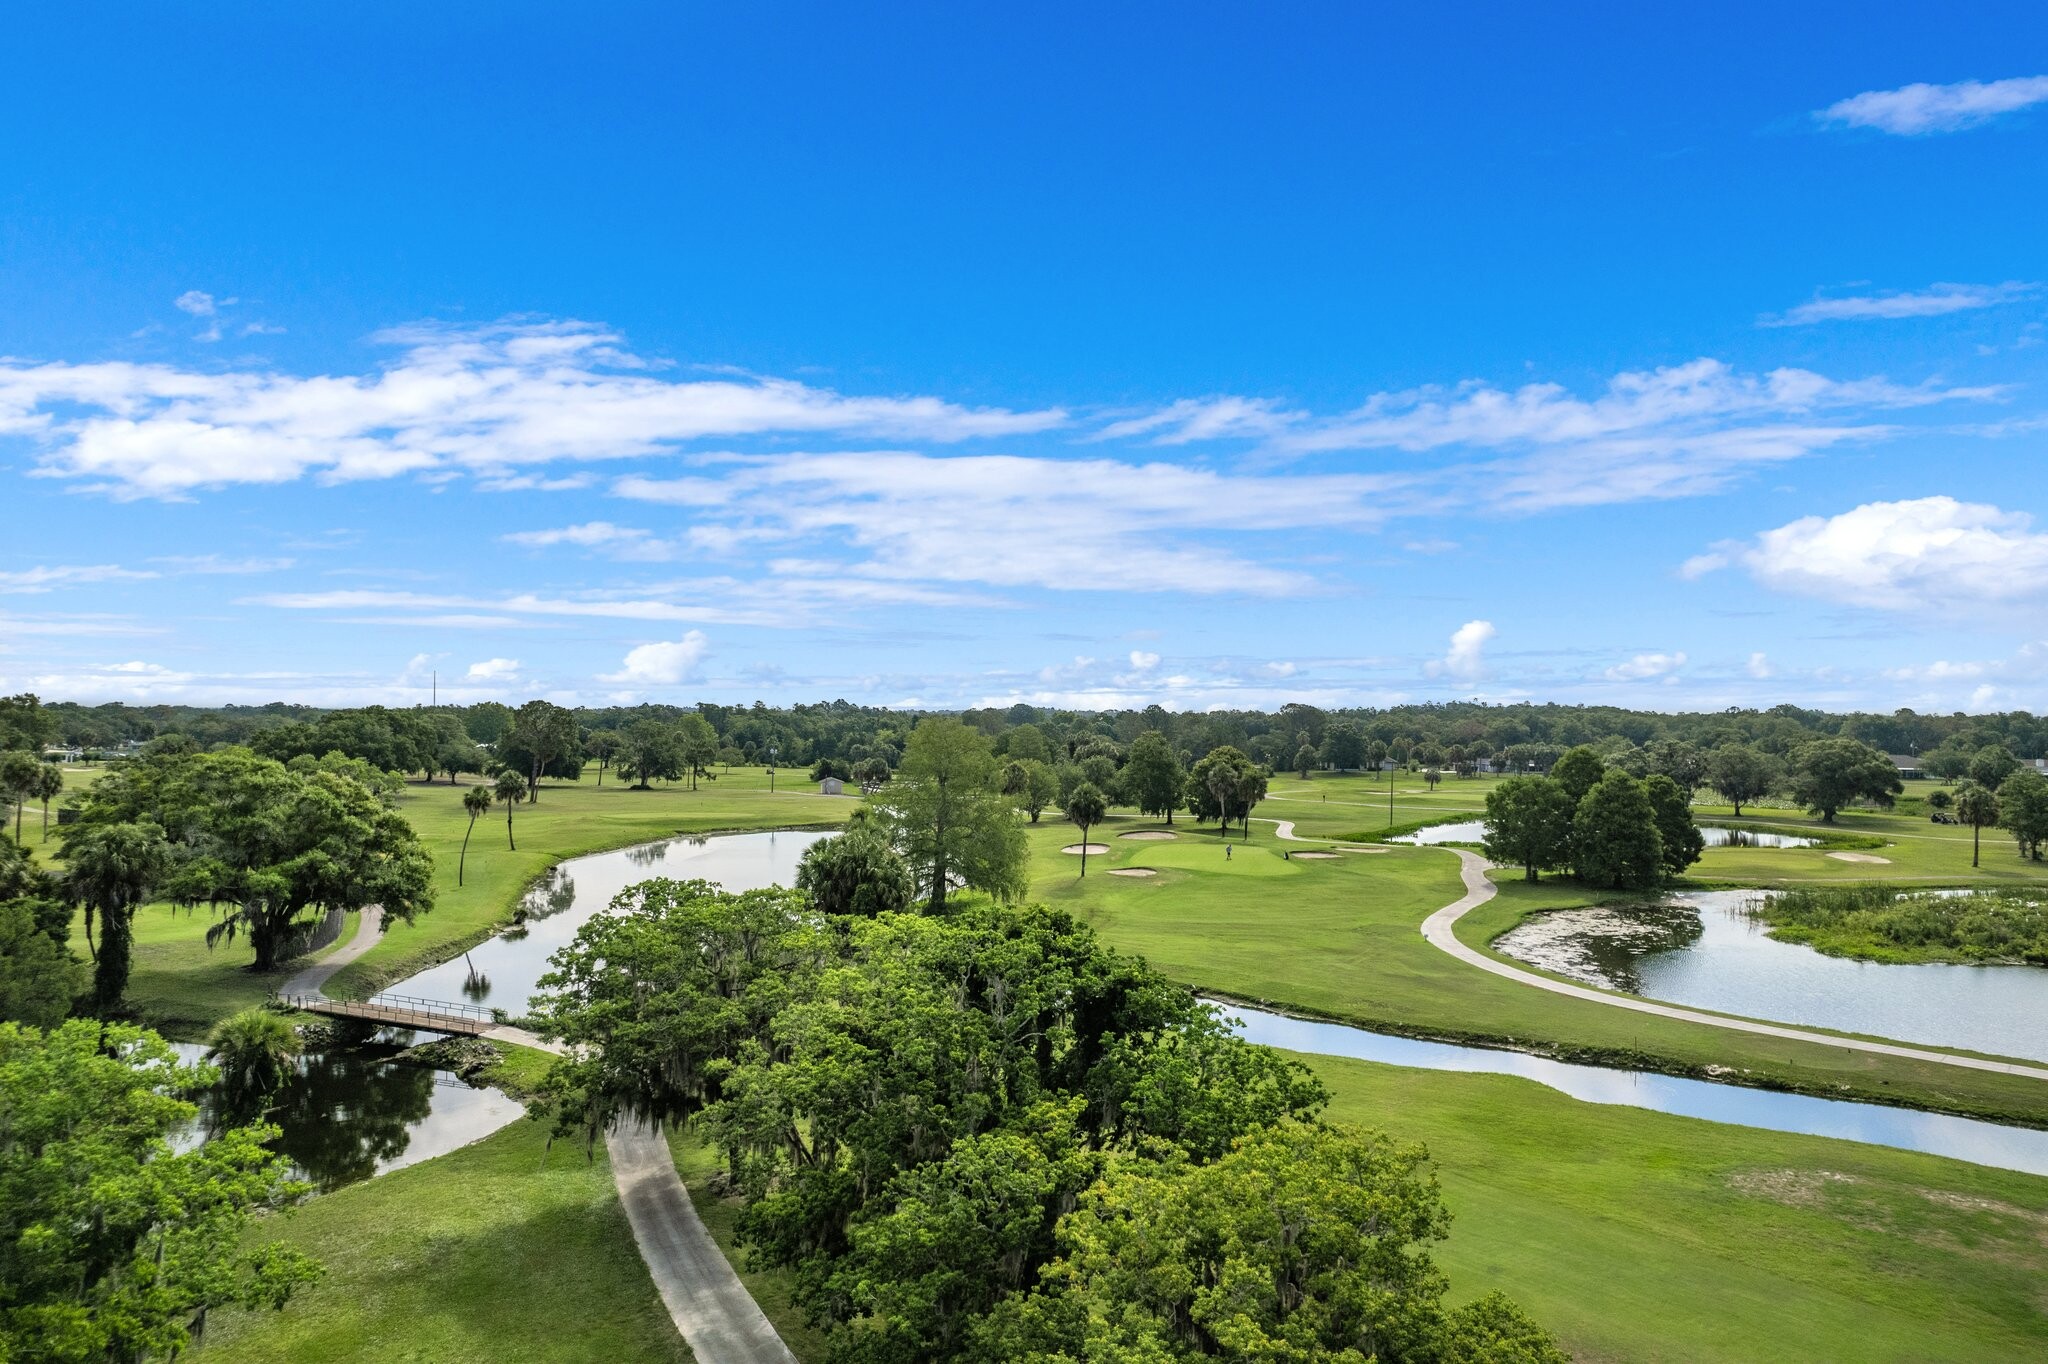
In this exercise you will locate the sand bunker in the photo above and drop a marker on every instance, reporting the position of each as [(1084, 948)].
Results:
[(1364, 850), (1132, 871), (1078, 848), (1320, 856), (1149, 835), (1861, 857)]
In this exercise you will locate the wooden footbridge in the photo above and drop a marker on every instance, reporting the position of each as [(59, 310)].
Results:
[(402, 1011)]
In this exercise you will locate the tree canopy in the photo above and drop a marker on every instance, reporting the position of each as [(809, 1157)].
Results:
[(947, 818), (1529, 824), (1828, 774), (117, 1246)]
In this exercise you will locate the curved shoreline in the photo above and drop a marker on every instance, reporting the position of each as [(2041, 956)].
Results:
[(1438, 928)]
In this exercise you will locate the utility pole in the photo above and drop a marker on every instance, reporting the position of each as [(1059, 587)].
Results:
[(436, 702), (1390, 800)]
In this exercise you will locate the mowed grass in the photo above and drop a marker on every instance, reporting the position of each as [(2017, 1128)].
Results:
[(1643, 1236), (500, 1253), (181, 986), (1340, 938)]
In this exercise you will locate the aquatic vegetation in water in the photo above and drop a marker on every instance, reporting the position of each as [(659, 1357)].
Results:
[(1887, 923)]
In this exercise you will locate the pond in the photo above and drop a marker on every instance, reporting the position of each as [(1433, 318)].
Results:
[(508, 968), (1714, 835), (1701, 949), (349, 1114), (1981, 1143)]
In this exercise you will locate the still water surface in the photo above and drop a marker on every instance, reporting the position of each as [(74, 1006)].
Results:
[(510, 965), (1981, 1143), (1702, 949), (1714, 835), (347, 1115)]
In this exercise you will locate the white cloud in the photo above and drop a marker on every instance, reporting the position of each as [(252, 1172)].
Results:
[(1921, 554), (1678, 431), (196, 303), (485, 399), (1144, 661), (492, 670), (1913, 110), (1646, 666), (1193, 419), (1010, 521), (44, 578), (217, 564), (1934, 301), (661, 665), (1465, 660), (619, 542), (1759, 666)]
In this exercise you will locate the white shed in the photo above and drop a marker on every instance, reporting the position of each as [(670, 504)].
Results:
[(831, 786)]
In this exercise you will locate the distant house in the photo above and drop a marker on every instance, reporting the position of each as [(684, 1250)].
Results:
[(1908, 765), (831, 786)]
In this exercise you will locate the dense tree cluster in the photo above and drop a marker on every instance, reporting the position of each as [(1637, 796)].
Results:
[(1608, 827), (982, 1136)]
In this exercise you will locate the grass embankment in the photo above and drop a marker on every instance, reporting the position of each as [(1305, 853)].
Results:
[(1338, 938), (181, 986), (495, 1253), (1881, 922), (1785, 1247), (1642, 1236)]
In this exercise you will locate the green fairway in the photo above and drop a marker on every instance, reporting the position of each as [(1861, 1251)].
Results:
[(496, 1253), (1642, 1236), (182, 986), (1339, 937)]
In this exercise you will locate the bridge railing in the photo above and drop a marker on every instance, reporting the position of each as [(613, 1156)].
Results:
[(413, 1005)]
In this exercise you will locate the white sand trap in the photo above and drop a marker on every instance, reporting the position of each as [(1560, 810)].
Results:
[(1861, 857), (1132, 871), (1078, 848), (1319, 856), (1149, 835), (1365, 850)]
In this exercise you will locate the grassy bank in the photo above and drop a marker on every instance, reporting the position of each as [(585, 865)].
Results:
[(1339, 938), (181, 986), (500, 1253), (1788, 1248)]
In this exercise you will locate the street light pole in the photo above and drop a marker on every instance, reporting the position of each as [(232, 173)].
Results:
[(771, 769)]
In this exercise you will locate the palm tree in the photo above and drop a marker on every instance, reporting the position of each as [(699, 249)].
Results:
[(49, 785), (509, 789), (110, 870), (1976, 806), (252, 1049), (1086, 808), (476, 800)]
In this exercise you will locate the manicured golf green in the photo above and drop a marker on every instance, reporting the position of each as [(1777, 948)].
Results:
[(501, 1252), (1339, 937)]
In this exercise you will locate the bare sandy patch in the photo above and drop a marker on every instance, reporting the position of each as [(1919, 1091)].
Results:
[(1078, 848), (1794, 1188), (1149, 835), (1132, 871), (1365, 850), (1861, 857), (1318, 856)]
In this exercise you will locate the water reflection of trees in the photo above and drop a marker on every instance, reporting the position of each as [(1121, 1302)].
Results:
[(646, 854), (1636, 932), (341, 1114), (552, 893)]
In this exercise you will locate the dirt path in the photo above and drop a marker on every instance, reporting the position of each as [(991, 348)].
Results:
[(1438, 929)]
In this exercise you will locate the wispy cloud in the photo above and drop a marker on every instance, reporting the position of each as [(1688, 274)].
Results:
[(1927, 553), (487, 398), (1934, 301), (46, 577), (1643, 667), (1011, 521), (1194, 419), (1918, 109)]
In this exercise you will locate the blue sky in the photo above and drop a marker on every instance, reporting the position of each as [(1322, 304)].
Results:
[(936, 355)]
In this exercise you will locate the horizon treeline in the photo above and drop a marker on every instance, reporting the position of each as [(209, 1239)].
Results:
[(804, 733)]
